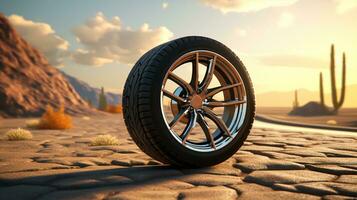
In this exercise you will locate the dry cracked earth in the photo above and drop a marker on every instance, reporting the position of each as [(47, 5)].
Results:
[(272, 164)]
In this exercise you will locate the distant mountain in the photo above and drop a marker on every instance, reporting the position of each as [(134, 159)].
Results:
[(28, 83), (285, 99), (90, 93)]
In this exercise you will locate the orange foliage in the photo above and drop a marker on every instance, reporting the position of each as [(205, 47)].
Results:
[(55, 119), (114, 108)]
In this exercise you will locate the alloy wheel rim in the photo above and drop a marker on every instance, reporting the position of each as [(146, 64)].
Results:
[(192, 103)]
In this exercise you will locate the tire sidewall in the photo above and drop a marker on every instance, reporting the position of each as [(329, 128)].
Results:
[(161, 65)]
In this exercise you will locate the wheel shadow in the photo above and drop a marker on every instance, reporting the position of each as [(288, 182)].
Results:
[(88, 184), (135, 174)]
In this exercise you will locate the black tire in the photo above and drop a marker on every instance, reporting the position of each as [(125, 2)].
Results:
[(142, 109)]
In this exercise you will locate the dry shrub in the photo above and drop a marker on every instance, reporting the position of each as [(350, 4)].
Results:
[(331, 122), (52, 119), (86, 118), (18, 134), (104, 140), (32, 123), (114, 108)]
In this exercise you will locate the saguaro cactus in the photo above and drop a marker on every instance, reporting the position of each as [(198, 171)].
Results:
[(337, 103), (322, 99), (102, 100), (296, 101)]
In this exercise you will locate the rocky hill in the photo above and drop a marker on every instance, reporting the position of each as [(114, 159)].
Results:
[(312, 108), (90, 93), (27, 82)]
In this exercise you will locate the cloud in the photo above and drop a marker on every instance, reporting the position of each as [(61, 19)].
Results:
[(164, 5), (344, 6), (286, 19), (291, 60), (105, 41), (42, 37), (240, 6), (84, 57)]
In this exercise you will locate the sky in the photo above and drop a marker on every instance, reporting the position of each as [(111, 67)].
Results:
[(284, 44)]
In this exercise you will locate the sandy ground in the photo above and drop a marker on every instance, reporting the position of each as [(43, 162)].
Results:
[(272, 164), (345, 117)]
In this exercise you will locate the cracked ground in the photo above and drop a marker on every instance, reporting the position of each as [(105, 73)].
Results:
[(272, 164)]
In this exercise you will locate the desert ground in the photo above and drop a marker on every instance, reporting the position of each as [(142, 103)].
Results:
[(345, 117), (272, 164)]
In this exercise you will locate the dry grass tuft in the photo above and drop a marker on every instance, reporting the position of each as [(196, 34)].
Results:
[(104, 140), (18, 134), (331, 122), (114, 108), (86, 118), (55, 119), (32, 123)]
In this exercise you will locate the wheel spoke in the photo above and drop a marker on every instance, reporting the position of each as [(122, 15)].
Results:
[(178, 117), (173, 97), (201, 121), (180, 82), (191, 100), (195, 73), (209, 74), (190, 125), (216, 90), (218, 121), (224, 103)]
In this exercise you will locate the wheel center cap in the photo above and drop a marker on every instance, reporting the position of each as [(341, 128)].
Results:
[(196, 101)]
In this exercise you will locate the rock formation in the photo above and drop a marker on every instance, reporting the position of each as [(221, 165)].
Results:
[(27, 82)]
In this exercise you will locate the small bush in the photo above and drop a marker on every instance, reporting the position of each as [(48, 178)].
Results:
[(331, 122), (32, 123), (104, 140), (18, 134), (86, 118), (114, 108), (55, 119)]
